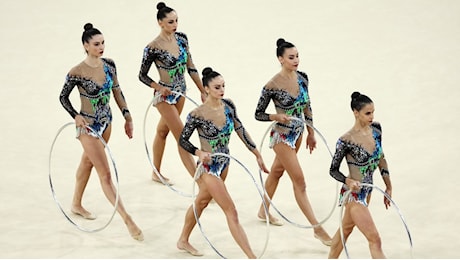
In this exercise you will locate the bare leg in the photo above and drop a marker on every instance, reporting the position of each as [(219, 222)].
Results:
[(201, 202), (81, 180), (363, 219), (95, 152), (175, 125), (218, 191), (347, 226), (271, 183), (158, 148), (288, 157)]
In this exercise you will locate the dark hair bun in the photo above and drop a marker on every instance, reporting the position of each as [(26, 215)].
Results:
[(88, 26), (279, 42), (161, 5), (355, 95), (206, 71)]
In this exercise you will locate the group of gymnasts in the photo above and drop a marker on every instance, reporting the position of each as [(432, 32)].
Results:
[(214, 120)]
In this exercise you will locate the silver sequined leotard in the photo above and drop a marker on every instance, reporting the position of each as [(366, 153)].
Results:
[(170, 68), (214, 129), (361, 163), (296, 106), (95, 86)]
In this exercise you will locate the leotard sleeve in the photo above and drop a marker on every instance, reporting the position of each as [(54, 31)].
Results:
[(262, 104), (70, 82), (184, 141), (239, 128), (340, 152), (148, 58), (117, 92)]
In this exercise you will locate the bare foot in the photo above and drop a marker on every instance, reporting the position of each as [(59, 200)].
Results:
[(322, 235), (79, 210), (188, 248), (274, 221), (134, 230), (167, 181)]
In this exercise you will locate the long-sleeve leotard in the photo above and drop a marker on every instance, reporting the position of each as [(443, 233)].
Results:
[(171, 69), (361, 163), (296, 106), (214, 129), (94, 86)]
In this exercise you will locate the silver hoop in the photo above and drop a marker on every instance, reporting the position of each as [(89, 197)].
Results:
[(155, 170), (53, 189), (268, 198), (196, 176), (345, 198)]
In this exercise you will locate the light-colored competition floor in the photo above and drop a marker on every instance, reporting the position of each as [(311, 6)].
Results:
[(404, 54)]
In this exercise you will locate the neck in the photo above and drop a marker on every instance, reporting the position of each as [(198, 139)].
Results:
[(93, 61), (360, 127), (290, 74), (213, 103), (167, 36)]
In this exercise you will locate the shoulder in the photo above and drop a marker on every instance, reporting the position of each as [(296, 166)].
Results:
[(152, 45), (181, 35), (109, 61), (303, 75), (377, 127), (272, 83), (228, 102), (196, 113), (76, 70)]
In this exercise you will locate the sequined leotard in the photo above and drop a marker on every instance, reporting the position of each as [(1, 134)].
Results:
[(214, 129), (170, 68), (361, 163), (94, 85), (296, 106)]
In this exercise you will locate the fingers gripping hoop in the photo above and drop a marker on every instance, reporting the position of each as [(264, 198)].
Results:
[(268, 198), (53, 188), (345, 198), (155, 170), (196, 176)]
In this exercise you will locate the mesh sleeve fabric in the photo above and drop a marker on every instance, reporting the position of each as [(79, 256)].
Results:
[(147, 59), (262, 104), (190, 65), (340, 152), (116, 90), (187, 131), (308, 112), (239, 128), (69, 84)]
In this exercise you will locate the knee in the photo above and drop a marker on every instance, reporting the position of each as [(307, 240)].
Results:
[(162, 132), (299, 184), (86, 163), (231, 214), (347, 231), (375, 240), (202, 203), (105, 178)]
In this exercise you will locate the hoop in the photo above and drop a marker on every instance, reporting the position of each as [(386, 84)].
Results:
[(258, 190), (345, 198), (155, 170), (271, 202), (54, 193)]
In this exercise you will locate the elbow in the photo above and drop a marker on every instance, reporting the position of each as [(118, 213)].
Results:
[(141, 77)]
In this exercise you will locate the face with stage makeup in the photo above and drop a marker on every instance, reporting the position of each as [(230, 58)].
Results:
[(216, 87), (169, 23), (290, 58)]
